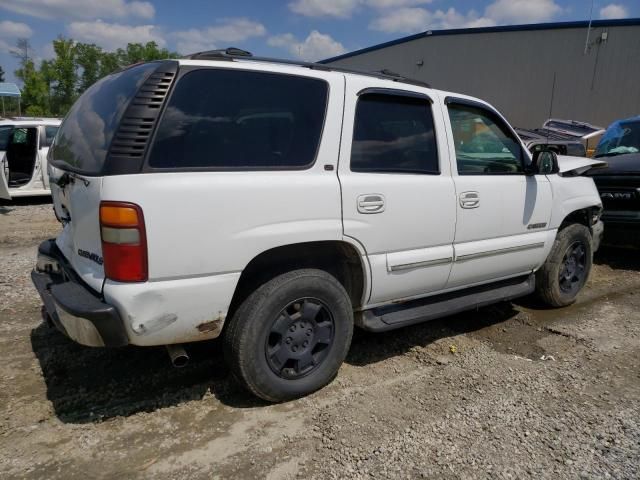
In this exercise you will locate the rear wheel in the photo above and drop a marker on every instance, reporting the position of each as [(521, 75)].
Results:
[(290, 336), (567, 267)]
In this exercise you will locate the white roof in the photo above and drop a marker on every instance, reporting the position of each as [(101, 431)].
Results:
[(30, 121)]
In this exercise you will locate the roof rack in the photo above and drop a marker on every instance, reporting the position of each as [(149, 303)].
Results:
[(233, 54)]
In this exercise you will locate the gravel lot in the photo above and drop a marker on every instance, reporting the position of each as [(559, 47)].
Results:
[(528, 393)]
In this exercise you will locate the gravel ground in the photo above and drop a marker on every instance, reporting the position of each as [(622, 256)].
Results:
[(528, 393)]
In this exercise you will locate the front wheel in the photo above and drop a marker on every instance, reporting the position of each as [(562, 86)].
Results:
[(567, 267), (290, 336)]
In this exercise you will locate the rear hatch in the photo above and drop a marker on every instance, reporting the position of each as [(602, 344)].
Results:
[(97, 138)]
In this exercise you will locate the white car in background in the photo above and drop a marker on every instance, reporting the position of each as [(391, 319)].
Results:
[(24, 144)]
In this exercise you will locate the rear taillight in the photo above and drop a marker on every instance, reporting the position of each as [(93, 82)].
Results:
[(124, 242)]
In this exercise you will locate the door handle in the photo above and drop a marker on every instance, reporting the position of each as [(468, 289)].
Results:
[(371, 203), (469, 199)]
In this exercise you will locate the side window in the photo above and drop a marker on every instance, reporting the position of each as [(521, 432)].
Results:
[(49, 133), (5, 133), (234, 119), (484, 144), (19, 136), (393, 134)]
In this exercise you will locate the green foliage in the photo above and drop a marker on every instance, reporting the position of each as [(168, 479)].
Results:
[(52, 88), (35, 92)]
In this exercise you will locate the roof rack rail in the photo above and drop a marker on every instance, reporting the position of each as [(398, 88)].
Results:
[(232, 53)]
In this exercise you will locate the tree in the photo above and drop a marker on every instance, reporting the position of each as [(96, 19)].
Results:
[(89, 58), (137, 52), (64, 73), (35, 90), (22, 50), (1, 75), (52, 88)]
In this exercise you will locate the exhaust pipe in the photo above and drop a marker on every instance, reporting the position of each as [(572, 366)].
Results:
[(178, 355)]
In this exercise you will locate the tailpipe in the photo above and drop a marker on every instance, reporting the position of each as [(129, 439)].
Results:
[(178, 355)]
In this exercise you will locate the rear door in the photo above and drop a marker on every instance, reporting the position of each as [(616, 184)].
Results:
[(397, 193), (503, 214)]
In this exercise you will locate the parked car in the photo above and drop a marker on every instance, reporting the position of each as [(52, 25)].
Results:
[(278, 205), (619, 183), (24, 144), (584, 132), (537, 140)]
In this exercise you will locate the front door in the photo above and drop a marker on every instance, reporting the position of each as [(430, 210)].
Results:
[(397, 193), (503, 214)]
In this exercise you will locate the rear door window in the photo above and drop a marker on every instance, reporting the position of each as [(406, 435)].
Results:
[(236, 119), (394, 134)]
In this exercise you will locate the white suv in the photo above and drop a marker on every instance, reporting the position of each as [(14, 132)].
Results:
[(280, 204)]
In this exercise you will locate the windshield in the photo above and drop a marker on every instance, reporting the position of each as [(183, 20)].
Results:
[(84, 137), (620, 138)]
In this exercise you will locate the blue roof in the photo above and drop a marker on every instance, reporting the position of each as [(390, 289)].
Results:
[(9, 90), (505, 28)]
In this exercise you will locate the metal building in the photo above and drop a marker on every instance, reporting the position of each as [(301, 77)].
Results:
[(597, 70)]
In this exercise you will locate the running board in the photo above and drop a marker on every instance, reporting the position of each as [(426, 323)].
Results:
[(390, 317)]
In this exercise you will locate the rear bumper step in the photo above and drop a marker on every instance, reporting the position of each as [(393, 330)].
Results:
[(74, 309), (417, 311)]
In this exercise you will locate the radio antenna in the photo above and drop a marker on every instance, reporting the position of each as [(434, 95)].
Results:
[(553, 89)]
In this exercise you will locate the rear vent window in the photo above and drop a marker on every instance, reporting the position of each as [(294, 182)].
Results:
[(90, 126), (233, 119)]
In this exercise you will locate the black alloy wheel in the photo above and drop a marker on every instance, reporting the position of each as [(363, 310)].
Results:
[(299, 338), (572, 271)]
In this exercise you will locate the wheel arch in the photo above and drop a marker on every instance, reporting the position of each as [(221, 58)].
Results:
[(341, 258)]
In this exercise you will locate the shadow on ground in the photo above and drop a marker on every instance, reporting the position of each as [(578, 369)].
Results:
[(6, 206), (87, 384), (618, 258), (93, 384)]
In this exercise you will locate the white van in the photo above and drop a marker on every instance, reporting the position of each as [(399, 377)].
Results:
[(24, 144)]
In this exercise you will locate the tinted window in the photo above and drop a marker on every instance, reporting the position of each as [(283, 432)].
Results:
[(393, 134), (239, 119), (86, 132), (49, 133), (484, 144), (5, 132)]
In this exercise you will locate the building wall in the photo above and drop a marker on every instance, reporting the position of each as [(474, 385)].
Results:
[(514, 70)]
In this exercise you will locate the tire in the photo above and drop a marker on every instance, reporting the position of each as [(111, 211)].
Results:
[(290, 336), (567, 267)]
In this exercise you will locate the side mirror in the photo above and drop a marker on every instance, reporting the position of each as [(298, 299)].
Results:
[(544, 162)]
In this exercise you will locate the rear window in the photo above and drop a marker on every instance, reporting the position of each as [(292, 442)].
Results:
[(84, 137), (233, 119)]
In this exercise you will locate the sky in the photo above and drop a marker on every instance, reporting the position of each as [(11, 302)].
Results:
[(298, 29)]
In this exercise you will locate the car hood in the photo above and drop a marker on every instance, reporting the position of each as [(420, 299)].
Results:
[(578, 165), (628, 163)]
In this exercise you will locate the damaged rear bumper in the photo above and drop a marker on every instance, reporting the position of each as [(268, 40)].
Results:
[(74, 308)]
